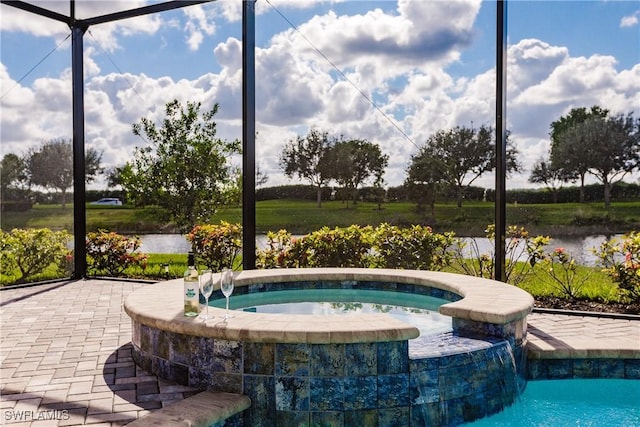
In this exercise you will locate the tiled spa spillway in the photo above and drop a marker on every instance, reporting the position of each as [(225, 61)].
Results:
[(365, 369)]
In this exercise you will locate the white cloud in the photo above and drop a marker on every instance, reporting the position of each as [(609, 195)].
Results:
[(398, 58), (199, 24), (630, 20)]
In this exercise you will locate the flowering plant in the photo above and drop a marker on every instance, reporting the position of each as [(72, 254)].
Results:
[(620, 259), (562, 269), (111, 253), (522, 252), (216, 245)]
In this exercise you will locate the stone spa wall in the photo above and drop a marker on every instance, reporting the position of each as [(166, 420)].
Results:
[(364, 370)]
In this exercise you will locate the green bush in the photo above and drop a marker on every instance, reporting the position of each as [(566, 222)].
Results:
[(111, 253), (276, 254), (416, 248), (216, 246), (338, 247), (386, 246), (31, 251)]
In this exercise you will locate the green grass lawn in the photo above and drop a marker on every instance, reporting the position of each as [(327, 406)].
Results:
[(301, 217), (594, 285)]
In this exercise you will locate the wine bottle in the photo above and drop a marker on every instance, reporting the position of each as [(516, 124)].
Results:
[(191, 288)]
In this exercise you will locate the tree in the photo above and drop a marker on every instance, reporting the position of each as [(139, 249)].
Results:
[(261, 177), (552, 177), (463, 155), (307, 157), (355, 161), (134, 184), (423, 177), (13, 177), (51, 166), (564, 154), (609, 148), (185, 169)]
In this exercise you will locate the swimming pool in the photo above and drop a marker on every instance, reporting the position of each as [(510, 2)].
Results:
[(575, 402)]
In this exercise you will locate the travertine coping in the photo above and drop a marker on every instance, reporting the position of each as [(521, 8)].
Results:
[(161, 306), (200, 410)]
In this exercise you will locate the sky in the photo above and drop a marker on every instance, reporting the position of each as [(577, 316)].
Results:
[(390, 72)]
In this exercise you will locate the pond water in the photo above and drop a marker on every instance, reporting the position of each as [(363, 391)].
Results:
[(579, 247)]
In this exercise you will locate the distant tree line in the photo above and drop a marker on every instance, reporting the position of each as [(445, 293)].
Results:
[(620, 191), (185, 168)]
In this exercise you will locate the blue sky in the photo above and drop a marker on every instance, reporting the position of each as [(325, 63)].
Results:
[(427, 64)]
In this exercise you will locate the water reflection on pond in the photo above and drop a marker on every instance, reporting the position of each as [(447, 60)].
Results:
[(578, 247)]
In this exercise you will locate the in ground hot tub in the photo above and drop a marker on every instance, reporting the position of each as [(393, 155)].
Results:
[(330, 369)]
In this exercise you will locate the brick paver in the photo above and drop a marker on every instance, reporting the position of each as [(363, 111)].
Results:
[(66, 360), (570, 336), (65, 354)]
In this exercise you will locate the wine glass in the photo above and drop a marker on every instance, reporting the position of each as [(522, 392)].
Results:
[(226, 286), (206, 288)]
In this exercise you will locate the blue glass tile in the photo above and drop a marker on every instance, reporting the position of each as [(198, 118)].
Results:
[(632, 369), (611, 368), (393, 357), (227, 356), (361, 359), (424, 387), (261, 390), (293, 359), (393, 390), (394, 417), (326, 394), (292, 394), (259, 358), (327, 360), (360, 393)]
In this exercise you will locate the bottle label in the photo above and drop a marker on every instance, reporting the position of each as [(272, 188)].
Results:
[(191, 302)]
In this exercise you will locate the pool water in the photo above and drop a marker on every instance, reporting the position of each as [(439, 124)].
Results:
[(417, 310), (573, 402)]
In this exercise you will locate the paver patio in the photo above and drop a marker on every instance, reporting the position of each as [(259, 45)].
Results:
[(66, 360)]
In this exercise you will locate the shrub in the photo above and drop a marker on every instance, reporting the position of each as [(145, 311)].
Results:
[(387, 246), (415, 248), (111, 253), (338, 247), (621, 261), (561, 267), (216, 246), (33, 250), (277, 253), (522, 252)]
